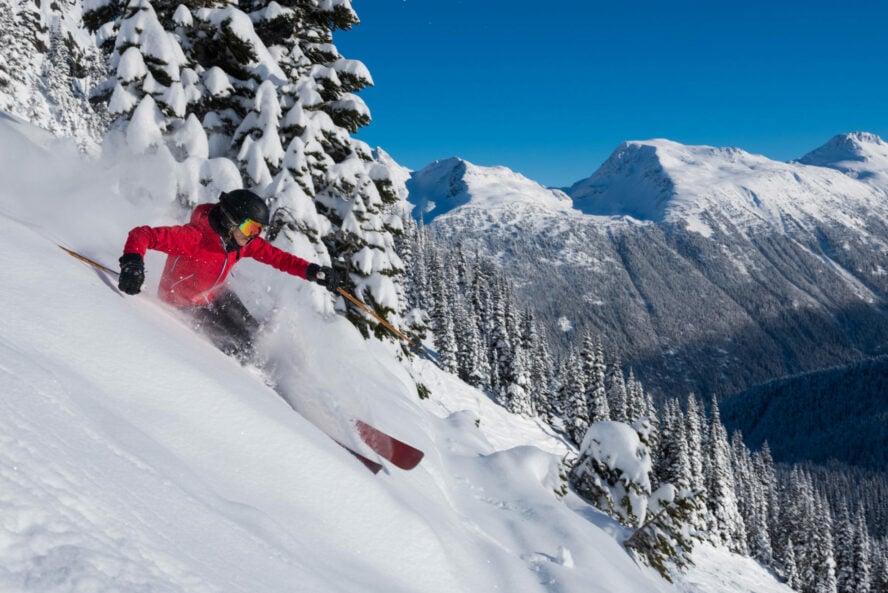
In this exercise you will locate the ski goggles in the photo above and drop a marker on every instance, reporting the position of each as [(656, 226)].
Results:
[(250, 228)]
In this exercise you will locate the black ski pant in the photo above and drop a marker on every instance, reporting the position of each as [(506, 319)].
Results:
[(228, 324)]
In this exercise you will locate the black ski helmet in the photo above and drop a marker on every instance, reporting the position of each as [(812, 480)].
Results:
[(242, 204)]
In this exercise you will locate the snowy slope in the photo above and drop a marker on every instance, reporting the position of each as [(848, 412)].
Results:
[(136, 457)]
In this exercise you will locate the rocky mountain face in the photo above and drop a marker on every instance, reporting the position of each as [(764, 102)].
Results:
[(707, 269)]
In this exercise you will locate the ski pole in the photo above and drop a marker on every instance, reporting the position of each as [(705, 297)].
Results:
[(415, 346), (385, 323), (86, 260)]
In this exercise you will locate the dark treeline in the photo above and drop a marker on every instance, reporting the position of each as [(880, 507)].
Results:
[(821, 529)]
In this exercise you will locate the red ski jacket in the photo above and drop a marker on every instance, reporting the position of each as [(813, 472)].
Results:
[(198, 263)]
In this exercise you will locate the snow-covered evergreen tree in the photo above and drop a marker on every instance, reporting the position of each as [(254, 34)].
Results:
[(613, 471), (725, 524), (443, 295), (512, 387), (665, 540), (24, 39), (694, 431), (852, 552), (673, 462), (767, 475), (572, 394), (617, 397), (146, 89), (879, 583), (540, 366), (478, 299), (48, 69), (790, 568), (823, 564), (862, 554), (594, 370), (752, 500)]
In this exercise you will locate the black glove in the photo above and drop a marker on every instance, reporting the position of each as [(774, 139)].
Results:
[(132, 273), (325, 276)]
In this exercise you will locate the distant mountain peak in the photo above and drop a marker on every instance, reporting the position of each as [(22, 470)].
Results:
[(648, 179), (632, 181), (705, 188), (449, 184), (855, 144), (858, 154)]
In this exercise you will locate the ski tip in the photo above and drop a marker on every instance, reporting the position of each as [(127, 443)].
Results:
[(398, 452)]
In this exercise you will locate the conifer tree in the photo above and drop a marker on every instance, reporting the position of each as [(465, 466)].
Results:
[(664, 540), (540, 371), (879, 583), (767, 474), (862, 555), (617, 482), (146, 62), (573, 397), (260, 152), (790, 569), (852, 553), (725, 523), (478, 300), (844, 554), (823, 567), (751, 500), (673, 462), (790, 536), (65, 69), (24, 39), (594, 370), (442, 313), (512, 387), (617, 398), (694, 430)]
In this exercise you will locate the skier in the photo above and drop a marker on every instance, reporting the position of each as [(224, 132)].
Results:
[(202, 253)]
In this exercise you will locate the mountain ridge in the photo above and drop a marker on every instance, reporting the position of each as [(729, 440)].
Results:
[(446, 185), (735, 269)]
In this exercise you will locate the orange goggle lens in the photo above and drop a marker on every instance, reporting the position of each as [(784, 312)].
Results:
[(250, 228)]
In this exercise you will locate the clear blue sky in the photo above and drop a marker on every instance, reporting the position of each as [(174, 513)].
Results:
[(550, 89)]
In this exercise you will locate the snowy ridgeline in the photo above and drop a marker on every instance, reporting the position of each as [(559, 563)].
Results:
[(706, 269), (135, 457)]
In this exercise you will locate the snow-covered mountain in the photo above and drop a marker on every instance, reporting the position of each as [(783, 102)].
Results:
[(454, 183), (861, 155), (701, 187), (707, 269), (136, 457)]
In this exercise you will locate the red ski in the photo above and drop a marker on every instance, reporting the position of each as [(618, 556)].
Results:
[(373, 466), (398, 452)]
